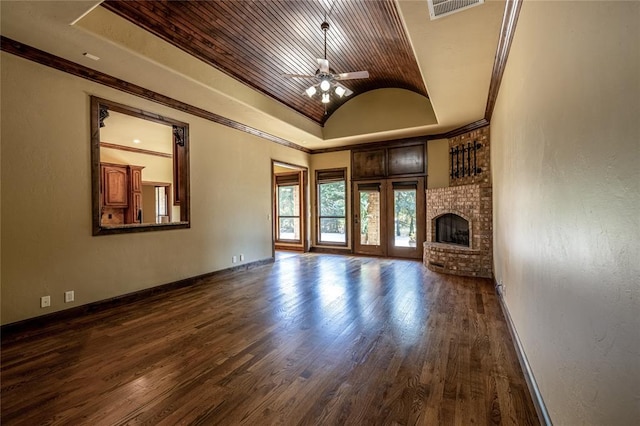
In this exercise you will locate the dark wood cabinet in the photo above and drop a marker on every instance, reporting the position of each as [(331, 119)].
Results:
[(133, 213), (407, 160), (136, 178), (114, 186), (121, 188), (369, 164), (396, 159)]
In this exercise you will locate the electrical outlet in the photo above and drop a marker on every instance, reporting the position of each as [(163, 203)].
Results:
[(45, 301), (234, 259), (69, 296), (242, 258)]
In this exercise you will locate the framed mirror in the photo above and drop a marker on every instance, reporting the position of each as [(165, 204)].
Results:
[(139, 170)]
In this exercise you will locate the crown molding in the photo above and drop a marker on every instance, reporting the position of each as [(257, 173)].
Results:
[(44, 58), (507, 30), (509, 21)]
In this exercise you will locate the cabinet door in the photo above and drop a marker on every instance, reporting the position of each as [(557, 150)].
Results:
[(136, 179), (369, 164), (115, 186), (136, 205)]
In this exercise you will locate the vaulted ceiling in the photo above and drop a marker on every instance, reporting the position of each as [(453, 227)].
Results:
[(285, 37), (228, 57)]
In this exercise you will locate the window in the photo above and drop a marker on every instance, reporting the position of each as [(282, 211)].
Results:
[(288, 208), (162, 204), (332, 206)]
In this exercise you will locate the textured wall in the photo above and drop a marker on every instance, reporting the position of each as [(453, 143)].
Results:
[(47, 247), (437, 163), (565, 154), (379, 111)]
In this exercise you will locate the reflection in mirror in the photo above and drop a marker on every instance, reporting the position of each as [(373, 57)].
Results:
[(139, 170)]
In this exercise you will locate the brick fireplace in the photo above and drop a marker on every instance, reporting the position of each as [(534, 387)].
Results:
[(467, 201)]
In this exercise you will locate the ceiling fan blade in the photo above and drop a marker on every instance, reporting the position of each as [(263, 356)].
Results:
[(298, 76), (324, 65), (352, 75)]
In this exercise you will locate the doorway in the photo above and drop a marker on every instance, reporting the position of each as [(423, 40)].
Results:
[(389, 217), (289, 207), (156, 202)]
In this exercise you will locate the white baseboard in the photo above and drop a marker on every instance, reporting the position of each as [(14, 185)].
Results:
[(538, 402)]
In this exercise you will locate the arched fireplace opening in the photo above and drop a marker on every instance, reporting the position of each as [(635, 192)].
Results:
[(452, 229)]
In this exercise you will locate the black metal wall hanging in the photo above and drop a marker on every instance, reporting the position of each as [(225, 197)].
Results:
[(464, 160)]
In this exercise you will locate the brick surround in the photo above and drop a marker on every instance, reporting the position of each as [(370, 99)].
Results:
[(469, 197)]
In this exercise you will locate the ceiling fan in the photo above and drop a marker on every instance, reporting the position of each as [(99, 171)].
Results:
[(328, 79)]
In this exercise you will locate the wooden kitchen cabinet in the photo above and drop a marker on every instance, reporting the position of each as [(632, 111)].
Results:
[(121, 187), (134, 211), (114, 186)]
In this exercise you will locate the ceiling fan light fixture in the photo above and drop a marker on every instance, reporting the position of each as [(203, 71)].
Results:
[(325, 85), (328, 84)]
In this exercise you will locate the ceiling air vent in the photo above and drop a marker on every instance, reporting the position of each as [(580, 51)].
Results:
[(440, 8)]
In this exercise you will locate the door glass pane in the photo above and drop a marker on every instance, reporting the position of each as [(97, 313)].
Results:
[(404, 219), (370, 218), (288, 200), (333, 230), (289, 228)]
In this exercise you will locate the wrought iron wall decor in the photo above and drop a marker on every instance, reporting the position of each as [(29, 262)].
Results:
[(464, 160)]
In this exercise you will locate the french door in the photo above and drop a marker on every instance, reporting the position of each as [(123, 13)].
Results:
[(389, 217)]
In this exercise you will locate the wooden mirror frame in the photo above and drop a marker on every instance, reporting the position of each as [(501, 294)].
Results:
[(99, 112)]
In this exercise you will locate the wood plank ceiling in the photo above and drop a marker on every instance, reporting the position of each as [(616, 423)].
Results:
[(257, 42)]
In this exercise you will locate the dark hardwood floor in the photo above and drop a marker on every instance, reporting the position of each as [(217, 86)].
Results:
[(311, 339)]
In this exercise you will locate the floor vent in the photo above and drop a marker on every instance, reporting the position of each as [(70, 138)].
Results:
[(440, 8)]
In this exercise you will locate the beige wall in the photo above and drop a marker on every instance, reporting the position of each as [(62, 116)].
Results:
[(149, 204), (438, 163), (565, 155), (379, 111), (47, 247)]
